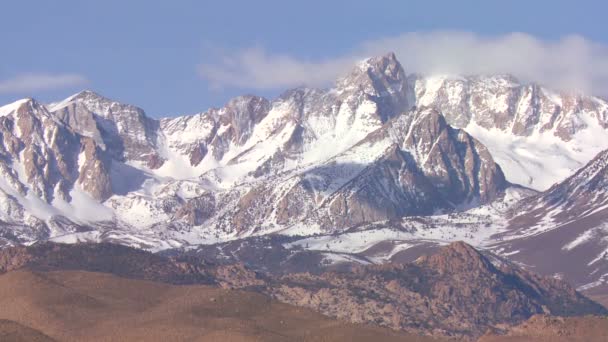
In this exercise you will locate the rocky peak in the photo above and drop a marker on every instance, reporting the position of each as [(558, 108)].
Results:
[(102, 105), (450, 157), (384, 81), (497, 80), (457, 257), (123, 130), (8, 109), (247, 104), (385, 67), (374, 75), (27, 110), (89, 95)]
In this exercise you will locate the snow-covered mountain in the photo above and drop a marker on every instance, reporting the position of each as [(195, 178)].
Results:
[(379, 145), (538, 136)]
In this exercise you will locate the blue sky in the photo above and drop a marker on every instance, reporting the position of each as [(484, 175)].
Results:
[(182, 57)]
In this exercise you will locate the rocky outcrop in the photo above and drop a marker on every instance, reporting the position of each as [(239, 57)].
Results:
[(94, 172), (197, 210), (217, 130), (429, 167), (456, 292), (109, 258)]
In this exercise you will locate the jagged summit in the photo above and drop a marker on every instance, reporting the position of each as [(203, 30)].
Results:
[(81, 96), (93, 101), (384, 63), (87, 93), (23, 105)]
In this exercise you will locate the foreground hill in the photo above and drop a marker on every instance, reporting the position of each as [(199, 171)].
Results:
[(456, 292), (78, 306)]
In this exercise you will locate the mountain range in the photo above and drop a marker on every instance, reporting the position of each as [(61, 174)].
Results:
[(382, 166)]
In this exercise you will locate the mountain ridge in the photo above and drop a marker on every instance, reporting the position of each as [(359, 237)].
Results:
[(408, 160)]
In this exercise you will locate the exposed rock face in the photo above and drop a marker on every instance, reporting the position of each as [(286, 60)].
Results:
[(125, 130), (195, 211), (115, 259), (383, 81), (420, 166), (94, 173), (44, 150), (43, 156), (521, 123), (429, 167), (216, 130), (502, 102)]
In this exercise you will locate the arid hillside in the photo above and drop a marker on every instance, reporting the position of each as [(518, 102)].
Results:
[(79, 306)]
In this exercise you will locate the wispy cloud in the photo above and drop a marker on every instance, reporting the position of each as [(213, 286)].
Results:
[(30, 82), (256, 68), (571, 62)]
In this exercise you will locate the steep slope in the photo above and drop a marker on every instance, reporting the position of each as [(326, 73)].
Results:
[(123, 130), (562, 231), (49, 172)]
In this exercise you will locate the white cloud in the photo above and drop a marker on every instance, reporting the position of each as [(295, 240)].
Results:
[(255, 68), (30, 82), (571, 62)]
